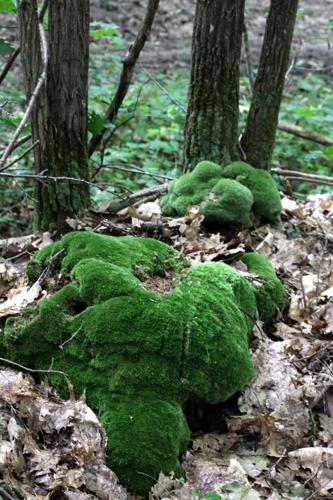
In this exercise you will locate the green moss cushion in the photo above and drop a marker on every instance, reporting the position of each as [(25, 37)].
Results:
[(138, 356), (237, 195), (271, 295)]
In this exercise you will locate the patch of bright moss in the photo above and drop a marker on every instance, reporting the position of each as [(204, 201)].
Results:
[(271, 295), (267, 202), (139, 356), (237, 195)]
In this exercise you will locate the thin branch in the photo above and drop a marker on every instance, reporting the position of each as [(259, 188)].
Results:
[(293, 174), (34, 95), (9, 64), (136, 170), (290, 128), (14, 56), (27, 151), (150, 193), (30, 370), (127, 71), (42, 177), (165, 92)]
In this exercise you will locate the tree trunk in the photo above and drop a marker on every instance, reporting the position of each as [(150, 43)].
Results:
[(31, 56), (259, 138), (211, 130), (62, 127)]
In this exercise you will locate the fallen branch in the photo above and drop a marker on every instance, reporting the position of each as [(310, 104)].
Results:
[(290, 128), (127, 71), (130, 201), (35, 93), (301, 176)]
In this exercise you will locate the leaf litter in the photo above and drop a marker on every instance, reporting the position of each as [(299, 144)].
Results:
[(277, 446)]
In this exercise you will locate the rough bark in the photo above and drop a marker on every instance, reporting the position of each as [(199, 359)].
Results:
[(211, 130), (59, 120), (259, 138)]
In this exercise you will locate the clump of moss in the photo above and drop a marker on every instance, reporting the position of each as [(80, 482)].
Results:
[(237, 195), (271, 294), (190, 189), (267, 202), (139, 356)]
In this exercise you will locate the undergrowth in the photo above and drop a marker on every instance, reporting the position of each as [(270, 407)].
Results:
[(145, 143)]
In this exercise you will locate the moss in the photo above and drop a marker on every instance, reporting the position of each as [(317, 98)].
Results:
[(271, 295), (238, 195), (139, 356), (267, 202), (228, 202), (190, 188)]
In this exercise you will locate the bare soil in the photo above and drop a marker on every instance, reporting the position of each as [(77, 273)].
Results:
[(170, 43)]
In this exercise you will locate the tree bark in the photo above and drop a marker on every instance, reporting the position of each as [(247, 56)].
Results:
[(211, 130), (59, 120), (259, 138)]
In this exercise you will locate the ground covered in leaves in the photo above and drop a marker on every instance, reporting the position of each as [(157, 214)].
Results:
[(276, 444)]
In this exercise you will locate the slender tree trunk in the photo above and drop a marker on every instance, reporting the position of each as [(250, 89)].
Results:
[(32, 67), (211, 130), (259, 138), (60, 119)]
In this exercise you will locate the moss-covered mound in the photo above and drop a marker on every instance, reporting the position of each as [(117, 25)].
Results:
[(138, 355), (237, 195), (271, 295)]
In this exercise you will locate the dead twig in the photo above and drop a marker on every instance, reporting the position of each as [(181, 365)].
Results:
[(31, 370), (294, 175), (126, 76), (130, 201)]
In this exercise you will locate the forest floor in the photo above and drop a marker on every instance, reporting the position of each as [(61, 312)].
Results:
[(170, 42), (278, 443)]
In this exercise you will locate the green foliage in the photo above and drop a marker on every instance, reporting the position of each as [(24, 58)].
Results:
[(6, 48), (237, 195), (8, 6), (139, 356), (313, 111)]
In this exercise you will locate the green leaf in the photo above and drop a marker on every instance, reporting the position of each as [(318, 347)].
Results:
[(6, 49), (211, 496), (103, 29), (8, 6), (95, 123), (330, 24)]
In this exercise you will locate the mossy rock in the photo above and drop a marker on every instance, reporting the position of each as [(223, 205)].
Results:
[(139, 356), (237, 195)]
